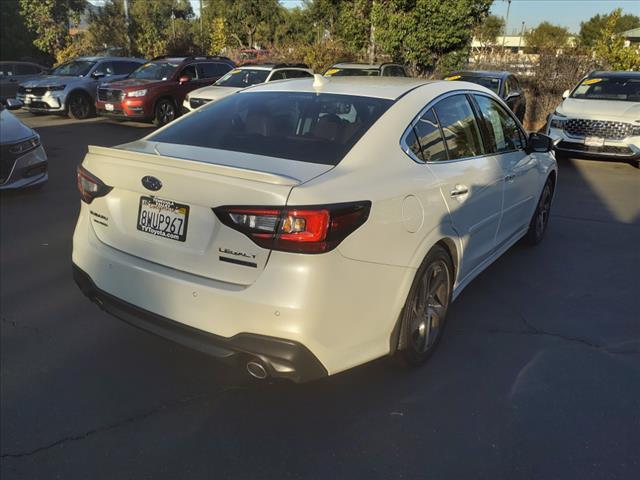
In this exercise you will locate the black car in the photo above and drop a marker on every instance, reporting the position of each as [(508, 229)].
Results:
[(504, 84)]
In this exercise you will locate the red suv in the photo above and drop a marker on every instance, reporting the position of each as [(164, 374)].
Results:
[(156, 89)]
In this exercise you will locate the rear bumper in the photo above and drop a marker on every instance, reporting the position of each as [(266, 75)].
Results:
[(281, 358)]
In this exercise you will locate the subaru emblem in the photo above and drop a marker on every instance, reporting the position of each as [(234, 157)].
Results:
[(151, 183)]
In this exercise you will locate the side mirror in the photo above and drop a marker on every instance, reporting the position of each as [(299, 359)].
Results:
[(184, 79), (98, 75), (512, 95), (539, 142), (13, 104), (565, 94)]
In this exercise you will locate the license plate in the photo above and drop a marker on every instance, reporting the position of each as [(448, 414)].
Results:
[(163, 218), (108, 107), (594, 141)]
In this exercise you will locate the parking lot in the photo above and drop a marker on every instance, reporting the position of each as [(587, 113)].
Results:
[(537, 376)]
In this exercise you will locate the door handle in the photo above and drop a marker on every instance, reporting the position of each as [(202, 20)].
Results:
[(459, 190), (509, 177)]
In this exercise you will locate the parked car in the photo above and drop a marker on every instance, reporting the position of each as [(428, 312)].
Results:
[(308, 226), (503, 84), (23, 161), (600, 117), (366, 70), (71, 87), (243, 77), (157, 89), (13, 73)]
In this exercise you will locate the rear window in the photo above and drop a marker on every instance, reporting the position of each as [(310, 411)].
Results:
[(492, 84), (352, 72), (298, 126), (242, 78)]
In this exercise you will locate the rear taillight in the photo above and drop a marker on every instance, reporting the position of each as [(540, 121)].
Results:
[(89, 185), (308, 229)]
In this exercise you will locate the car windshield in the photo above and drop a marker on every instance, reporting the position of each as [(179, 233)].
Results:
[(76, 68), (241, 78), (154, 71), (352, 72), (619, 88), (491, 83), (294, 125)]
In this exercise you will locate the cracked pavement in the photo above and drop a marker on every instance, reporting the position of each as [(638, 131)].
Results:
[(537, 376)]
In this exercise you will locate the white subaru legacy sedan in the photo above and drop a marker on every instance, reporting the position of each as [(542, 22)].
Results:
[(304, 227)]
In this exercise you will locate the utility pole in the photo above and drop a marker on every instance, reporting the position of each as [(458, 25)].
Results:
[(201, 31), (126, 21), (520, 39), (506, 25)]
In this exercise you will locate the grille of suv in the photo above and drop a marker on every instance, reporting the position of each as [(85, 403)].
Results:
[(107, 95), (38, 91), (579, 127)]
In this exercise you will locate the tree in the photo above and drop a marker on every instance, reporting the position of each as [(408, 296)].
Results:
[(245, 17), (50, 21), (488, 31), (610, 47), (108, 27), (428, 34), (546, 37), (16, 41), (591, 30), (217, 36)]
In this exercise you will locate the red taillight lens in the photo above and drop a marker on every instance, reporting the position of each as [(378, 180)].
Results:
[(89, 185), (297, 229)]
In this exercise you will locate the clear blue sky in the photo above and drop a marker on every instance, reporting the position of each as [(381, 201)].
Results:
[(568, 13)]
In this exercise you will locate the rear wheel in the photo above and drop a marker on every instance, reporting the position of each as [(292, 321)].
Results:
[(165, 112), (425, 311), (540, 220), (80, 106)]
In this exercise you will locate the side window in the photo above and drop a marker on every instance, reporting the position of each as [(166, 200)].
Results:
[(461, 132), (189, 71), (105, 67), (430, 138), (279, 75), (398, 71), (504, 133), (213, 70), (298, 74), (414, 145), (124, 68), (25, 69), (7, 70)]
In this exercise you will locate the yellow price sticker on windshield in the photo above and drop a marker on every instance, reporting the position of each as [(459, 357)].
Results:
[(236, 71), (453, 77), (332, 71), (592, 81)]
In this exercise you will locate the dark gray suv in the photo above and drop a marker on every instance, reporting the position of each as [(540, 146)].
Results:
[(71, 87)]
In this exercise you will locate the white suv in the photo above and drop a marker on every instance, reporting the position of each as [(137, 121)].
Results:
[(243, 77), (600, 117)]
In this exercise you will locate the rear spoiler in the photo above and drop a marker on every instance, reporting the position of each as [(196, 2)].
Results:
[(212, 168)]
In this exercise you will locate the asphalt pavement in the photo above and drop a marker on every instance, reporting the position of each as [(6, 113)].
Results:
[(537, 376)]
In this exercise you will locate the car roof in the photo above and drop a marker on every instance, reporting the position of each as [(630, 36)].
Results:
[(363, 66), (618, 74), (98, 59), (482, 73), (273, 66), (389, 88)]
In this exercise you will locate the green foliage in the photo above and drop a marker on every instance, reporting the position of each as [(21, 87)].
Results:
[(610, 47), (50, 21), (591, 30), (108, 27), (426, 33), (488, 31), (217, 36), (16, 41), (546, 37)]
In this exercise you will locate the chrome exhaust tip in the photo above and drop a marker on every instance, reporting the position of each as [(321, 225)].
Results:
[(256, 370)]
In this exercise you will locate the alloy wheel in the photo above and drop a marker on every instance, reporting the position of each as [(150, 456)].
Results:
[(167, 112), (79, 106)]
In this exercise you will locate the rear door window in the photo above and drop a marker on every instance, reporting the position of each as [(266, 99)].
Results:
[(7, 70), (303, 126), (213, 69), (430, 138), (459, 126), (278, 75), (124, 68), (106, 68), (504, 133), (189, 71)]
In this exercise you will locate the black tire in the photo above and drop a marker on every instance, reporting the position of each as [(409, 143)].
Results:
[(164, 112), (433, 282), (540, 219), (80, 106)]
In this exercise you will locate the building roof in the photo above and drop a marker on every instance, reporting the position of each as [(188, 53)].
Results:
[(379, 87)]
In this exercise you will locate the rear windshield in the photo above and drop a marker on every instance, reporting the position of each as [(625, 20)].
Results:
[(155, 71), (299, 126), (492, 84), (619, 88), (242, 78), (352, 72)]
